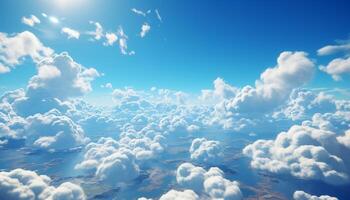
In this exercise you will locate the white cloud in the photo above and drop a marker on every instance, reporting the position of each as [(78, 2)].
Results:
[(14, 49), (74, 79), (145, 28), (27, 185), (111, 39), (158, 15), (345, 139), (53, 131), (210, 182), (337, 122), (331, 49), (303, 104), (71, 33), (98, 33), (301, 195), (221, 91), (293, 70), (303, 152), (59, 78), (30, 21), (337, 67), (123, 41), (118, 167), (54, 20), (107, 85), (179, 195), (206, 151), (138, 12)]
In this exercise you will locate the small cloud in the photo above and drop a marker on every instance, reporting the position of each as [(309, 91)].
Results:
[(44, 15), (139, 12), (54, 20), (332, 49), (123, 42), (30, 21), (98, 33), (71, 33), (145, 28), (111, 39), (107, 85), (158, 15)]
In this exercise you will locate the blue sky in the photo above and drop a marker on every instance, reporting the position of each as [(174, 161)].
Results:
[(196, 41)]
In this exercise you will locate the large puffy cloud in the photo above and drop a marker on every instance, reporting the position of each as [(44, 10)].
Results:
[(206, 151), (115, 162), (337, 122), (210, 182), (293, 70), (221, 91), (27, 185), (301, 195), (302, 104), (179, 195), (62, 77), (13, 49), (118, 167), (53, 131), (59, 78), (303, 152), (112, 163)]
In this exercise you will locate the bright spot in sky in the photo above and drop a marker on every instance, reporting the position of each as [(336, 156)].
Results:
[(54, 20)]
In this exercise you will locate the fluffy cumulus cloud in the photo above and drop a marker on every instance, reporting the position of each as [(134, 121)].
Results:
[(221, 91), (118, 167), (53, 131), (71, 33), (209, 182), (14, 48), (337, 67), (30, 21), (345, 139), (59, 78), (337, 122), (301, 195), (303, 104), (303, 152), (293, 70), (145, 28), (115, 161), (27, 185), (206, 151), (179, 195)]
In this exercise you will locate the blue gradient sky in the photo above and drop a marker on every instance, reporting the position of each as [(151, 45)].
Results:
[(196, 42)]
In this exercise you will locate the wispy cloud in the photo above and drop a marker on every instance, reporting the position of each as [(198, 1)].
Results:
[(145, 28), (138, 12), (71, 33)]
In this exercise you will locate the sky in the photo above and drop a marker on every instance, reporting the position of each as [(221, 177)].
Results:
[(193, 44), (162, 99)]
